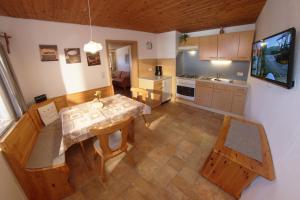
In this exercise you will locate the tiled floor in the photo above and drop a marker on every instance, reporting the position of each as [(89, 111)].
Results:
[(168, 157)]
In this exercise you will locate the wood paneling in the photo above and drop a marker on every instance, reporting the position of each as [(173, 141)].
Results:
[(147, 67), (149, 15)]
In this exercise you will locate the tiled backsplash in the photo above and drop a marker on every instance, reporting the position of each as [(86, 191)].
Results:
[(187, 62)]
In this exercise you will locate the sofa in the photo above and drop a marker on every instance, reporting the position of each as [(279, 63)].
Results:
[(121, 79)]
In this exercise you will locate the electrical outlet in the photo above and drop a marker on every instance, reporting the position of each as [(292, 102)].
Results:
[(240, 74)]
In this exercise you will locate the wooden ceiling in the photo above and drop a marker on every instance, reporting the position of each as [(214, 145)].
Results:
[(144, 15)]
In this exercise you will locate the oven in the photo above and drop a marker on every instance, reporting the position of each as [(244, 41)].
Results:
[(185, 88)]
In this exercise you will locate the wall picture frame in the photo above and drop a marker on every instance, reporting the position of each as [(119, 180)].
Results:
[(93, 59), (72, 55), (48, 52)]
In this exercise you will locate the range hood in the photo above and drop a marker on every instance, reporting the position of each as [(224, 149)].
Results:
[(192, 47)]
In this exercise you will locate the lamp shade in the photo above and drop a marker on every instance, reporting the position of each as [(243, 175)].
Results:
[(92, 47)]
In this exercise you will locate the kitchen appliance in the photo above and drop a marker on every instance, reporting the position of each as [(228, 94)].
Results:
[(158, 70), (185, 88)]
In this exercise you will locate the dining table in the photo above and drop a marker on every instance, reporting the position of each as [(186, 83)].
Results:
[(77, 120)]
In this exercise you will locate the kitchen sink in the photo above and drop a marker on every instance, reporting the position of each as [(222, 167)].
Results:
[(222, 80)]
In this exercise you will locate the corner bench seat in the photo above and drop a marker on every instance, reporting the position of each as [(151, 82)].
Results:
[(45, 152)]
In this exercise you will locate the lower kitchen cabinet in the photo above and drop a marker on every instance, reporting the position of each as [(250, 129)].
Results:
[(204, 94), (159, 91), (221, 97)]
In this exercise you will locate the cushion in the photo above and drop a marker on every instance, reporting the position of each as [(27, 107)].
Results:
[(48, 113), (124, 75), (116, 74), (114, 141), (46, 149)]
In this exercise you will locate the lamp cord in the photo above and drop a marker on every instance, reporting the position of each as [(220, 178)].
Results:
[(90, 19)]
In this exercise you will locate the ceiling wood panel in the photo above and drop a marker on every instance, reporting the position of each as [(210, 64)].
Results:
[(144, 15)]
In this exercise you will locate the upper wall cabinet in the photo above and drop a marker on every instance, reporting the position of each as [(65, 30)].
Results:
[(208, 47), (190, 41), (245, 45), (228, 46)]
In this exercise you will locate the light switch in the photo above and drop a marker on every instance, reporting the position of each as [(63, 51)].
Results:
[(240, 74), (150, 69)]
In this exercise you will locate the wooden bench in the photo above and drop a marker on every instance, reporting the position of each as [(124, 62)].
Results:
[(32, 150)]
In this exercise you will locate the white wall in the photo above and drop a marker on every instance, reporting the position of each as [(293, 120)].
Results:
[(166, 44), (57, 78), (9, 188), (278, 110), (120, 58)]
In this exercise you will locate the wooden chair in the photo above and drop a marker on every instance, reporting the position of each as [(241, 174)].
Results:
[(140, 95), (111, 142)]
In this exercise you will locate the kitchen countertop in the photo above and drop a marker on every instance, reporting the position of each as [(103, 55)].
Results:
[(156, 78), (237, 83)]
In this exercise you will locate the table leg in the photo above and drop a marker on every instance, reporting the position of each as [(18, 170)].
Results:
[(131, 133), (84, 155), (147, 124)]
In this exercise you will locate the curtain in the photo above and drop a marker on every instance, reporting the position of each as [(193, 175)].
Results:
[(9, 81)]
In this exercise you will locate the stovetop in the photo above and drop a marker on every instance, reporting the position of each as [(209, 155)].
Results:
[(194, 76)]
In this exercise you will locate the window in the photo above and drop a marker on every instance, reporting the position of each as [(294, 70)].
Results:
[(6, 112), (12, 104)]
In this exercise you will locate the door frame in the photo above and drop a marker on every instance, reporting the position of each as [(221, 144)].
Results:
[(134, 68)]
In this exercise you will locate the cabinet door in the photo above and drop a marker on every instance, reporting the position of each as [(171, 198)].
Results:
[(245, 45), (208, 47), (156, 95), (190, 41), (203, 96), (228, 45), (238, 100), (238, 104), (222, 100)]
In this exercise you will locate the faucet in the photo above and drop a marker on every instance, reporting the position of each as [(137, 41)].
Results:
[(218, 75)]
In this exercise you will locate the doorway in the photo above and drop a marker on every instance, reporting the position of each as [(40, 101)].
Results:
[(123, 65)]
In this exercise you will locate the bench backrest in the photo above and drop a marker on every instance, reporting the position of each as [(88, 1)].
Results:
[(18, 143), (66, 101)]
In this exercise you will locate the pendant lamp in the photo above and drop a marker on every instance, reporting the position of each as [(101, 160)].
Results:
[(91, 46)]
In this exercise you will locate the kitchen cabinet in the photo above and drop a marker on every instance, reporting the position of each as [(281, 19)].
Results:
[(223, 97), (245, 45), (190, 41), (203, 93), (208, 47), (238, 100), (159, 89), (228, 45)]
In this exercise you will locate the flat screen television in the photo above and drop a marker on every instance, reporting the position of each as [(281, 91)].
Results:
[(273, 57)]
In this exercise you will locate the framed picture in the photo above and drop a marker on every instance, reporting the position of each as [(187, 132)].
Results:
[(48, 52), (72, 55), (93, 59)]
